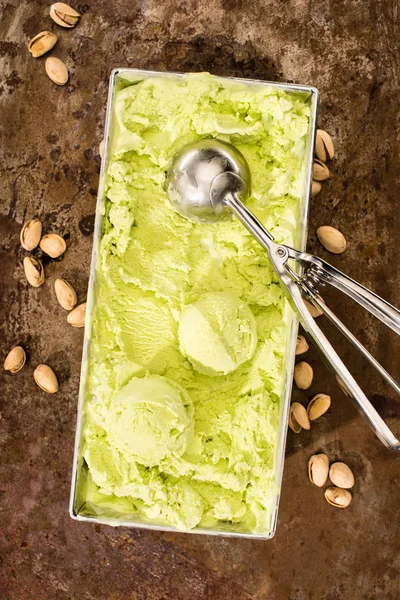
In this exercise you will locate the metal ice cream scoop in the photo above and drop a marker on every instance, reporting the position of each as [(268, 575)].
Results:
[(209, 179)]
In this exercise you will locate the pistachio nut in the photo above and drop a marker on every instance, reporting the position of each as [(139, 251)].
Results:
[(30, 234), (315, 188), (15, 359), (53, 244), (101, 148), (64, 15), (34, 271), (314, 311), (293, 424), (331, 239), (324, 148), (303, 376), (320, 171), (42, 43), (318, 406), (318, 469), (301, 345), (299, 414), (46, 379), (341, 475), (76, 317), (56, 70), (338, 497), (65, 293)]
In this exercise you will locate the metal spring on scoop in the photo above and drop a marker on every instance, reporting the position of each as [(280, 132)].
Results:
[(314, 278)]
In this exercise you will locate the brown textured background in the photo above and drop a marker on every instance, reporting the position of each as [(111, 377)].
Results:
[(50, 163)]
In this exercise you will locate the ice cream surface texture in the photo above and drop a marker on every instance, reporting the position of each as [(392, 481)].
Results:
[(188, 341)]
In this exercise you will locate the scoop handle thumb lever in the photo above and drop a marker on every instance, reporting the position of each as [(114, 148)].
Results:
[(279, 256)]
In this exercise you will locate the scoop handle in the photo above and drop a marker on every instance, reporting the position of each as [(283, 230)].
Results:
[(279, 256)]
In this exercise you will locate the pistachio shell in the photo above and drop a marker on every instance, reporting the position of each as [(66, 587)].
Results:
[(318, 469), (46, 379), (318, 406), (303, 376), (56, 70), (42, 43), (338, 497), (53, 244), (101, 148), (320, 171), (299, 414), (341, 475), (331, 239), (34, 271), (76, 317), (315, 188), (293, 424), (314, 311), (301, 345), (15, 359), (324, 148), (30, 234), (65, 293), (64, 15)]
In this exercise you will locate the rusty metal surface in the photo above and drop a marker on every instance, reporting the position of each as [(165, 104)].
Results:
[(49, 168)]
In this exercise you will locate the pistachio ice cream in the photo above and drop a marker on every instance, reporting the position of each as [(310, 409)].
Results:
[(189, 326)]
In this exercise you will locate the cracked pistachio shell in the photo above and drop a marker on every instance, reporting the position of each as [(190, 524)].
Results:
[(42, 43), (46, 379), (320, 171), (30, 234), (34, 271), (76, 317), (324, 148), (318, 469), (301, 345), (332, 239), (298, 418), (303, 376), (65, 293), (318, 406), (315, 188), (338, 497), (101, 148), (293, 424), (15, 359), (341, 475), (300, 415), (64, 15), (56, 70), (53, 244)]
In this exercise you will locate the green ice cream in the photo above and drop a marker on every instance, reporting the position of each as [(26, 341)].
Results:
[(217, 333), (189, 328)]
